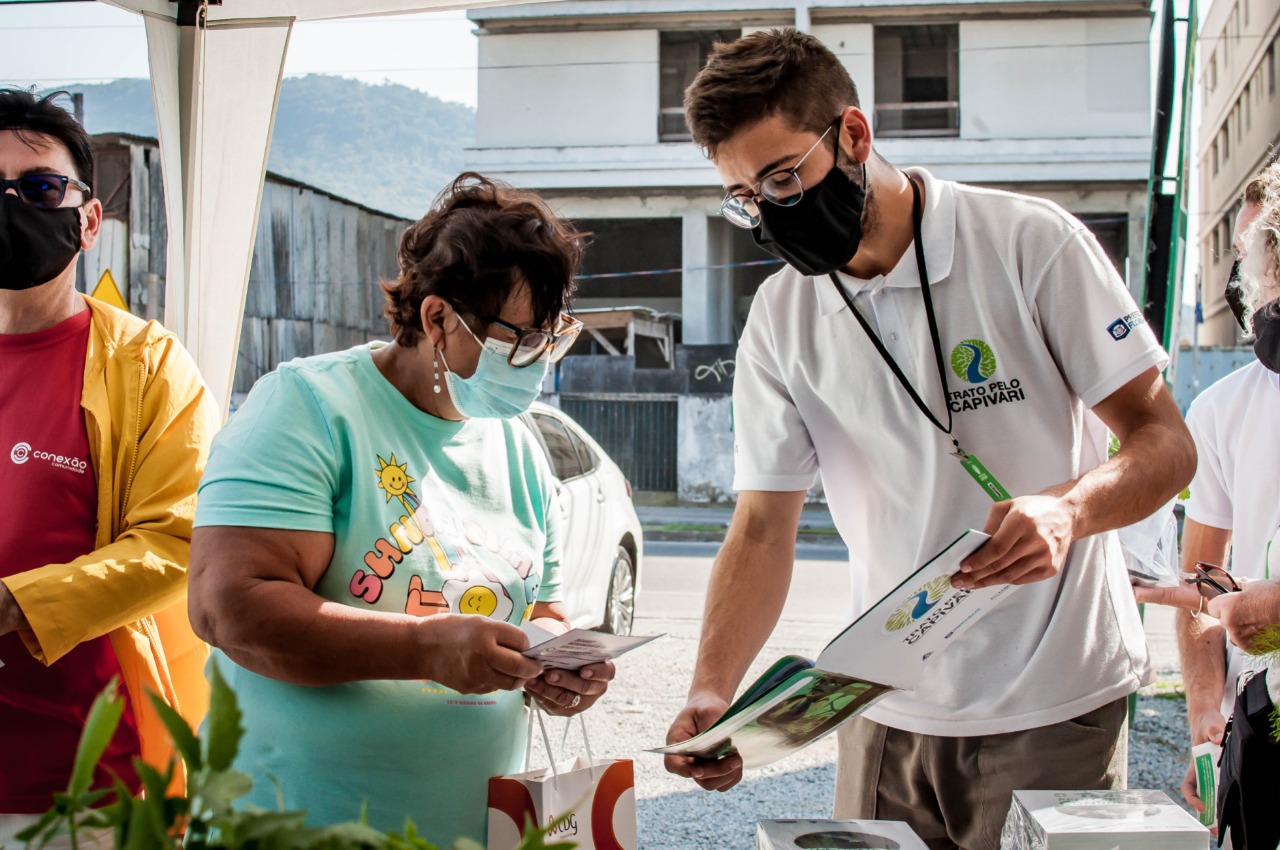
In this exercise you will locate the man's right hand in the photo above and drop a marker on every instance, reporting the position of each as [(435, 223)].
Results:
[(476, 655), (698, 715), (1207, 725)]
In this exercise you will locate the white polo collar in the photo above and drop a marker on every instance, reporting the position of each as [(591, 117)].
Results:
[(939, 226)]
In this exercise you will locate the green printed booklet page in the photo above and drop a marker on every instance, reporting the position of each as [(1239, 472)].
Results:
[(795, 702)]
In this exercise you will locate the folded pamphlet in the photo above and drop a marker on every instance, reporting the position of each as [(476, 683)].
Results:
[(577, 648), (795, 702)]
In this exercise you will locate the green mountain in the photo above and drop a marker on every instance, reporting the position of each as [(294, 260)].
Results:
[(388, 146)]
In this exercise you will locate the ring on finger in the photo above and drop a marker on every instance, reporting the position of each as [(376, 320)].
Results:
[(573, 703)]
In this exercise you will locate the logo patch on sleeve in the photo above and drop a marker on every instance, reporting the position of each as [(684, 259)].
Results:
[(1119, 329)]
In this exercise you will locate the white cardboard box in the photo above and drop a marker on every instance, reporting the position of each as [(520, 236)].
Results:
[(1100, 820), (796, 834)]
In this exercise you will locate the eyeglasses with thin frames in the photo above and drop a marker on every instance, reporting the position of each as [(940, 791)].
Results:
[(531, 343), (43, 191), (782, 187)]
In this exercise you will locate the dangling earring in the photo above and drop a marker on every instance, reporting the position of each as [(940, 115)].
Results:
[(435, 366)]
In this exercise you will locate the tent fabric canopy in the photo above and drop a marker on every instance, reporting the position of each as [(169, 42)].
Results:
[(215, 89)]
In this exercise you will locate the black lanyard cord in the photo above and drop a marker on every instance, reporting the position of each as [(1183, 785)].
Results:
[(917, 217)]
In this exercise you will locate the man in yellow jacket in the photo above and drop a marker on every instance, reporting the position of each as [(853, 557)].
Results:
[(104, 429)]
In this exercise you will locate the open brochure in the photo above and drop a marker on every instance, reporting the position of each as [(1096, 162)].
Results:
[(795, 702), (577, 648)]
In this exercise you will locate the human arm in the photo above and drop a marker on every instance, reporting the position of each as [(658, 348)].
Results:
[(251, 596), (749, 584), (1030, 535), (555, 690), (161, 434)]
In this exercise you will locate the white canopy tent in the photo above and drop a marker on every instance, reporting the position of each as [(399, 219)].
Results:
[(216, 67)]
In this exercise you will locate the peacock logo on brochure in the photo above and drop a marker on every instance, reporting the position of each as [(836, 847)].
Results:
[(921, 602)]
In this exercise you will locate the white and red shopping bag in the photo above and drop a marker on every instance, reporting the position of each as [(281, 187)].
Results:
[(595, 798)]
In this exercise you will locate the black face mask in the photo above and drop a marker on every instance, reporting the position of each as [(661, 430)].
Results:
[(1266, 327), (821, 232), (35, 244), (1235, 298)]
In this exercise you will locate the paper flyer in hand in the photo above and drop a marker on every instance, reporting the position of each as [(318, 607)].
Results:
[(578, 647), (796, 702)]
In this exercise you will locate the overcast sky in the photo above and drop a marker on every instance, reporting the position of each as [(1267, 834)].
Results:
[(46, 44)]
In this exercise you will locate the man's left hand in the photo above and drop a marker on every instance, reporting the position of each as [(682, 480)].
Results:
[(566, 693), (1246, 614), (1030, 536)]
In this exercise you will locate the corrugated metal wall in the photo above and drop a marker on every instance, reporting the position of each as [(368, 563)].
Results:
[(639, 431)]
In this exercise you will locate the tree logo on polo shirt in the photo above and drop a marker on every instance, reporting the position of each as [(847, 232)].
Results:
[(973, 361)]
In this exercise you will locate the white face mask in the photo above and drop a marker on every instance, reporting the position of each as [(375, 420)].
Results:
[(497, 390)]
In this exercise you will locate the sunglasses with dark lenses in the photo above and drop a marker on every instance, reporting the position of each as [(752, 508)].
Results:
[(1212, 581), (532, 343), (43, 191)]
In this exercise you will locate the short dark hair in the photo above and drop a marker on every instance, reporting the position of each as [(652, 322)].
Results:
[(479, 240), (772, 72), (26, 114)]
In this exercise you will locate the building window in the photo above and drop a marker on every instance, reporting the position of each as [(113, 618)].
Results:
[(917, 70), (1217, 244), (1225, 135), (681, 56), (1214, 156), (1211, 72), (1246, 108), (1271, 70)]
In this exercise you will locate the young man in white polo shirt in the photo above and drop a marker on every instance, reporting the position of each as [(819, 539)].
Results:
[(843, 365)]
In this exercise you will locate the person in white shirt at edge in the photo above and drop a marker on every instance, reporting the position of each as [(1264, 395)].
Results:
[(1233, 511), (1040, 348)]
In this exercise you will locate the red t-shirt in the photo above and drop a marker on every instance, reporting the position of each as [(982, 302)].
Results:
[(48, 515)]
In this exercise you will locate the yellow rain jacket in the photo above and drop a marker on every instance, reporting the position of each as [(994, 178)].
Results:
[(150, 420)]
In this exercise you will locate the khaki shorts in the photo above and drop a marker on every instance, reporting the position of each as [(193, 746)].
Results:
[(955, 792)]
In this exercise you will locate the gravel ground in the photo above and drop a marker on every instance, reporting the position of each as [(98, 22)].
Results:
[(674, 814)]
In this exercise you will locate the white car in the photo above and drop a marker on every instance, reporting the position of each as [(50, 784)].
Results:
[(603, 546)]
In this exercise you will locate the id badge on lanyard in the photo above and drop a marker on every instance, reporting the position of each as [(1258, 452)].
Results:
[(970, 462)]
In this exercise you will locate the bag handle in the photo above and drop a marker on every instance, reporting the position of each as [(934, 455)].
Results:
[(546, 740)]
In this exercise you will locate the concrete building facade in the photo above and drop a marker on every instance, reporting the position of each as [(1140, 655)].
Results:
[(1239, 133)]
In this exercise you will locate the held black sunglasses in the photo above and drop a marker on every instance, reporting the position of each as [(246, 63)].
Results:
[(1212, 580), (43, 191)]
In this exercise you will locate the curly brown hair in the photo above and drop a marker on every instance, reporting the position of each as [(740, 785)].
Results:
[(480, 240), (773, 72)]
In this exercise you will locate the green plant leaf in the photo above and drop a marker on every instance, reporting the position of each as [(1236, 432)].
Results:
[(46, 819), (219, 790), (222, 725), (99, 729), (259, 828), (184, 740)]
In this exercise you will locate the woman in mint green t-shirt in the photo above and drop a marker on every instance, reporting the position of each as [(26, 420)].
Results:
[(363, 507)]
